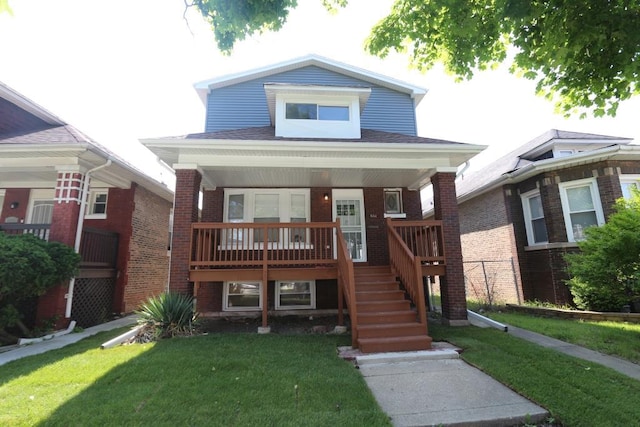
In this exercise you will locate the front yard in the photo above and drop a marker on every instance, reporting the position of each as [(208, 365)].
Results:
[(217, 379)]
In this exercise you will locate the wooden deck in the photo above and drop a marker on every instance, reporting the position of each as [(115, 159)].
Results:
[(297, 251)]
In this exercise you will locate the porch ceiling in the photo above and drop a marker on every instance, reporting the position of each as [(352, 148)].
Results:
[(312, 163)]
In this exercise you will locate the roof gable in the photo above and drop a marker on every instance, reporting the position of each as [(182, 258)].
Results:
[(204, 87)]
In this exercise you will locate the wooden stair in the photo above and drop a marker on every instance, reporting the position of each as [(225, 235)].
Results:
[(386, 320)]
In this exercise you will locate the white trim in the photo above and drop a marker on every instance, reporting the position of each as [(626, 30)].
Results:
[(312, 291), (93, 194), (225, 300), (525, 198), (595, 196)]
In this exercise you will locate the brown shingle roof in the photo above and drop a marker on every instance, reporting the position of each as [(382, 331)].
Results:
[(267, 133)]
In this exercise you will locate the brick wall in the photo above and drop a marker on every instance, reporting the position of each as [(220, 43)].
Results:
[(19, 195), (185, 212), (148, 266), (489, 247)]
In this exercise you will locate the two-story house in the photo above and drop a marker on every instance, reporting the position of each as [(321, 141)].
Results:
[(309, 173), (532, 206), (57, 183)]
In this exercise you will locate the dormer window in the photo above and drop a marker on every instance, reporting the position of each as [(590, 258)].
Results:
[(316, 112), (305, 111)]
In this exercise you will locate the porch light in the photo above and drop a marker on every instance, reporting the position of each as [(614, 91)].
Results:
[(326, 196), (14, 205)]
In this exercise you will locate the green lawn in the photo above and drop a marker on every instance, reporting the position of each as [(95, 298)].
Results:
[(614, 338), (576, 392), (218, 379)]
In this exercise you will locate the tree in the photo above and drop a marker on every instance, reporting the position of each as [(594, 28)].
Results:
[(28, 268), (605, 274), (584, 55)]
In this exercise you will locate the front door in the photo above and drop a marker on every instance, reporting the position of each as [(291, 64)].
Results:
[(348, 206)]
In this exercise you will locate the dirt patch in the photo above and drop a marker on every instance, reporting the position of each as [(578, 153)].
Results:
[(286, 325)]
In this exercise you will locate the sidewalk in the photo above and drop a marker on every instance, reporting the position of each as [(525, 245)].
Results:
[(19, 352)]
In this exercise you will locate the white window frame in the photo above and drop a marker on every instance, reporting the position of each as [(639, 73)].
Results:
[(528, 219), (629, 179), (93, 195), (399, 213), (595, 196), (2, 194), (293, 128), (312, 290), (284, 210), (225, 300)]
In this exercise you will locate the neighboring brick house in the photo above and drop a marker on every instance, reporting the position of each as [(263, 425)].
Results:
[(532, 206), (57, 183), (289, 152)]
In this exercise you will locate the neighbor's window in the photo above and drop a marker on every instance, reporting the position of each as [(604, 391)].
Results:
[(242, 296), (98, 204), (534, 218), (581, 207), (627, 182), (295, 295), (299, 111)]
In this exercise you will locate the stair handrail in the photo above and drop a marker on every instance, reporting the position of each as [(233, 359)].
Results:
[(346, 282), (409, 268)]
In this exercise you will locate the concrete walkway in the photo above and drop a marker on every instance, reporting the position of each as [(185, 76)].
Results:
[(18, 352)]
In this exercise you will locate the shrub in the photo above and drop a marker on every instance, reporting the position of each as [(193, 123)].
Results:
[(605, 274), (169, 314), (29, 266)]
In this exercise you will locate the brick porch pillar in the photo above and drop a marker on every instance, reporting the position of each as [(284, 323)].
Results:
[(185, 212), (64, 223), (452, 288)]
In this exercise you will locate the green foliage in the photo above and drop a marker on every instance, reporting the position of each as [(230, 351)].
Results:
[(233, 21), (584, 55), (4, 7), (605, 275), (28, 267), (170, 313)]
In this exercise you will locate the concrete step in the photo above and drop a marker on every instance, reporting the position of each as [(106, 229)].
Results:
[(378, 306), (393, 344), (381, 317), (379, 330), (384, 295)]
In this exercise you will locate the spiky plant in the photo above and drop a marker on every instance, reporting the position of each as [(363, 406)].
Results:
[(170, 314)]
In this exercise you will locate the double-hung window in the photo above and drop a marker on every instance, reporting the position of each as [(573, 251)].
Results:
[(295, 295), (244, 296), (534, 218), (581, 207), (97, 208)]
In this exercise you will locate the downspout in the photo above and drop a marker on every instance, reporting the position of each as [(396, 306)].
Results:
[(79, 227), (464, 169)]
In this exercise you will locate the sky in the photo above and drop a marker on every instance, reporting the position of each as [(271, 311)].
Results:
[(124, 70)]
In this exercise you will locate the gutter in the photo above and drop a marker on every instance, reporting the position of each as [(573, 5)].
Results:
[(79, 227)]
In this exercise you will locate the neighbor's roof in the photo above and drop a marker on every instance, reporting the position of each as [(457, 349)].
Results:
[(204, 87), (496, 172), (61, 140)]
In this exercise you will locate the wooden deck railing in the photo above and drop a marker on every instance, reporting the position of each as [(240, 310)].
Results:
[(99, 248), (254, 245), (346, 286), (39, 230), (411, 245)]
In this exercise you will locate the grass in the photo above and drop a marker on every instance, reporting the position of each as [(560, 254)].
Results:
[(574, 391), (218, 379), (614, 338)]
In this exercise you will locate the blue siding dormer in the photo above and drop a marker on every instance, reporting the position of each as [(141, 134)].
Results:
[(244, 104)]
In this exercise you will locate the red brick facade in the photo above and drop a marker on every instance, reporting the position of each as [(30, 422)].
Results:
[(452, 287), (493, 226)]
